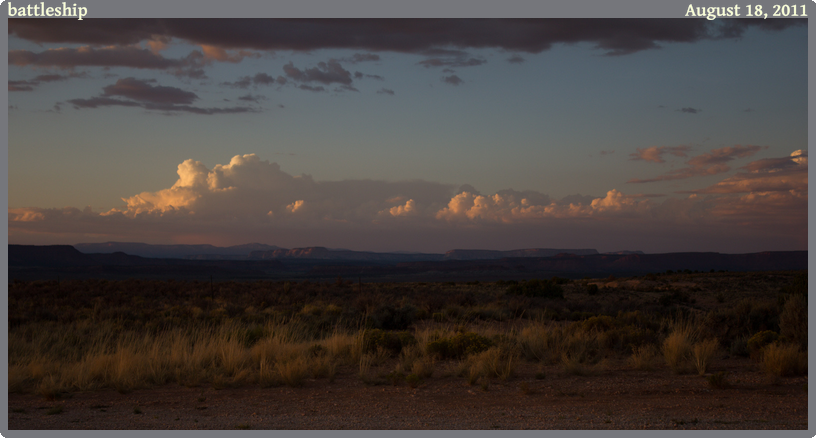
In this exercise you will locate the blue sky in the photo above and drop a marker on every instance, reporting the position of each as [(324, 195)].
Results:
[(465, 134)]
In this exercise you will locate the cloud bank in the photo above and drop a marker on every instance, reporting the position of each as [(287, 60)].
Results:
[(251, 198)]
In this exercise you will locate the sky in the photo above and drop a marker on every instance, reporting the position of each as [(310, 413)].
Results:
[(660, 135)]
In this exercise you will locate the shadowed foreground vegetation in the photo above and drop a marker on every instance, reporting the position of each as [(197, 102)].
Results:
[(86, 335)]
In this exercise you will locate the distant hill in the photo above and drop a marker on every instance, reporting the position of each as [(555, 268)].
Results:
[(321, 253), (62, 261), (482, 254), (49, 255), (174, 251)]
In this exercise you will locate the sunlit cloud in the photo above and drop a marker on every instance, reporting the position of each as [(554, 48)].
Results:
[(711, 163), (250, 195)]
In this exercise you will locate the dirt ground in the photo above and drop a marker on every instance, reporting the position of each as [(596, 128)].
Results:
[(613, 398)]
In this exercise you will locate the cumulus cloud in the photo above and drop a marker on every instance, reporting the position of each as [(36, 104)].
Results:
[(385, 91), (250, 198), (711, 163)]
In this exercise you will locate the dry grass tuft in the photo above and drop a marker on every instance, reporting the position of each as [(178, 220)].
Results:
[(677, 348), (644, 357), (704, 353), (784, 360)]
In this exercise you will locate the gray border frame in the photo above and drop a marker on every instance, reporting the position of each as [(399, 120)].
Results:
[(379, 9)]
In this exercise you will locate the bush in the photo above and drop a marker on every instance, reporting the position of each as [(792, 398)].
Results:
[(793, 320), (393, 318), (592, 289), (458, 346), (797, 287), (393, 342), (537, 288), (759, 340), (739, 347)]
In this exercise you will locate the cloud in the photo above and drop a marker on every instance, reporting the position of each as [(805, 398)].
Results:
[(140, 93), (30, 84), (655, 154), (258, 79), (452, 79), (362, 57), (711, 163), (515, 59), (326, 73), (251, 98), (690, 110), (385, 91), (614, 36), (311, 88), (602, 153), (451, 62), (223, 55), (787, 174), (133, 57), (250, 198), (96, 102), (360, 75), (21, 86)]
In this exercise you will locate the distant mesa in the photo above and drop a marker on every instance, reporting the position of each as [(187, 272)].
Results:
[(481, 254), (259, 251), (63, 261), (196, 252)]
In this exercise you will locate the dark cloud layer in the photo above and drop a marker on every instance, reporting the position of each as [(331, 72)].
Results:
[(327, 73), (258, 79), (614, 36), (141, 93), (452, 80)]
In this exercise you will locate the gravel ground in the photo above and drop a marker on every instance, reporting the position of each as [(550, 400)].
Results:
[(611, 399)]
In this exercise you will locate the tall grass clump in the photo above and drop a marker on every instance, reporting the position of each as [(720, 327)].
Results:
[(784, 360), (677, 348), (703, 353), (793, 320)]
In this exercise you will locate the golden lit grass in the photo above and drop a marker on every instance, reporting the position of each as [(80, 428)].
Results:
[(678, 347), (784, 360), (703, 353), (492, 363), (51, 362), (643, 357)]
